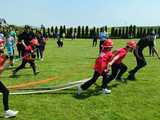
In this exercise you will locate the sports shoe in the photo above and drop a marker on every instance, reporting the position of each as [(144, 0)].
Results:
[(106, 91), (80, 90), (36, 73), (42, 59), (10, 113), (121, 79), (13, 73), (131, 77)]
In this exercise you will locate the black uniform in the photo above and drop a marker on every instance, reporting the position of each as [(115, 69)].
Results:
[(141, 62)]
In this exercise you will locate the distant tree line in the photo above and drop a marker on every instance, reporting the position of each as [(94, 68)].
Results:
[(80, 31), (133, 31)]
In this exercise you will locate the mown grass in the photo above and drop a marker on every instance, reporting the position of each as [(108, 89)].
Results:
[(136, 100)]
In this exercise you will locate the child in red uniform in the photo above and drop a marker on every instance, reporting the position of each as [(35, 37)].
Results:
[(116, 63), (3, 64), (28, 57), (100, 68)]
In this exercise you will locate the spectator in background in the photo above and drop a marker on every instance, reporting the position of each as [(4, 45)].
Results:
[(151, 46), (28, 35), (63, 36), (102, 37), (19, 44), (14, 35), (41, 45), (9, 45), (95, 37), (59, 40), (73, 35)]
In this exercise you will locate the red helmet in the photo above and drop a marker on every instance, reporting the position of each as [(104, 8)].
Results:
[(131, 44), (107, 43), (34, 42)]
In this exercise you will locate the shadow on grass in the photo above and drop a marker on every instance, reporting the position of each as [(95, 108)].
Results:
[(2, 117), (95, 92), (14, 67), (87, 94), (17, 76), (11, 68)]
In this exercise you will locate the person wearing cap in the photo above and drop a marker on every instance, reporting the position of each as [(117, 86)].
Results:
[(4, 63), (117, 67), (100, 68), (138, 53)]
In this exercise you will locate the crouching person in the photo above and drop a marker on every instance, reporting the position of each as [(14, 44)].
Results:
[(100, 68), (4, 62), (117, 66)]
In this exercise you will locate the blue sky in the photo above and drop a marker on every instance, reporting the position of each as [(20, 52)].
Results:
[(81, 12)]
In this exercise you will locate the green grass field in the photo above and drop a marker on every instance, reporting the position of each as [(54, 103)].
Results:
[(136, 100)]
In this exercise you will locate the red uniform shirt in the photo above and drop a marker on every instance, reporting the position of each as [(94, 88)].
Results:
[(2, 60), (102, 61), (27, 53), (122, 52)]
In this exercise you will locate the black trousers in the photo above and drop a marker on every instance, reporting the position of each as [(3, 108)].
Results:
[(40, 50), (5, 93), (60, 43), (19, 49), (151, 52), (31, 62), (94, 43), (87, 84), (100, 46), (11, 60), (141, 62), (117, 71)]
